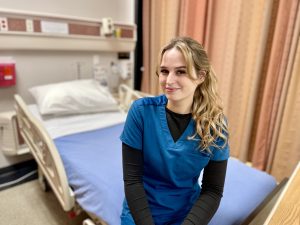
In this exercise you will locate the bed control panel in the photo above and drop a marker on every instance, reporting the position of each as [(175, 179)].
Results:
[(11, 141)]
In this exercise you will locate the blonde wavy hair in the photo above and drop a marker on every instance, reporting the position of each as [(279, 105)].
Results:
[(207, 110)]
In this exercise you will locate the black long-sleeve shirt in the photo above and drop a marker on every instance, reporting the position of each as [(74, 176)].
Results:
[(212, 182)]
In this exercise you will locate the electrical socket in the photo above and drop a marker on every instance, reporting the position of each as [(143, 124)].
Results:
[(107, 26), (29, 25), (3, 24)]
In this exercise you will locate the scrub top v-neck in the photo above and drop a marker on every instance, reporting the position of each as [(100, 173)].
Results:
[(171, 169), (177, 123)]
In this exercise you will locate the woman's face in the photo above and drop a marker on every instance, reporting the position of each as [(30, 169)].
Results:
[(175, 81)]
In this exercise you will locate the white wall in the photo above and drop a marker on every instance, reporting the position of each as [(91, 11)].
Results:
[(118, 10), (42, 67)]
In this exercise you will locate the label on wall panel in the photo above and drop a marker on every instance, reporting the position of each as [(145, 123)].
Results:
[(54, 27)]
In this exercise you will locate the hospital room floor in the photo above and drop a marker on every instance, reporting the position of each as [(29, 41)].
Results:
[(28, 204)]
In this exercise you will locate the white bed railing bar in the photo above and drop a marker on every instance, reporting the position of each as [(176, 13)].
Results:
[(45, 153), (127, 95)]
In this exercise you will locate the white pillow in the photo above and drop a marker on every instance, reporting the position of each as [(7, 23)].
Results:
[(73, 97)]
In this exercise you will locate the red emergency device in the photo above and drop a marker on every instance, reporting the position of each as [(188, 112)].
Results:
[(7, 74)]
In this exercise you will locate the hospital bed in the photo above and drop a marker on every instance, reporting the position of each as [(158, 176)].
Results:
[(83, 165)]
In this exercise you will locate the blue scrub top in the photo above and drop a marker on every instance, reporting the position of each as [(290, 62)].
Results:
[(171, 169)]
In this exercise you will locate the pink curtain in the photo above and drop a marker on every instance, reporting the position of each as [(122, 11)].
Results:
[(286, 152), (159, 26), (193, 19), (272, 87), (284, 147)]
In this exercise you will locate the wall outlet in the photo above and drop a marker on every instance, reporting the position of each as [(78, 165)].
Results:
[(3, 24), (107, 26), (29, 25)]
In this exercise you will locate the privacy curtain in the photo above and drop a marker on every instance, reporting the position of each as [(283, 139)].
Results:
[(276, 149), (287, 149), (159, 26), (249, 44)]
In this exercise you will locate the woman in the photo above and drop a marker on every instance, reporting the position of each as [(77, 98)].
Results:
[(168, 139)]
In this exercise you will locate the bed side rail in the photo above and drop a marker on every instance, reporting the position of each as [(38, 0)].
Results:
[(127, 95), (45, 153), (256, 216)]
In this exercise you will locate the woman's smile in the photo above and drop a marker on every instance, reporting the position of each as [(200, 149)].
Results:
[(171, 89)]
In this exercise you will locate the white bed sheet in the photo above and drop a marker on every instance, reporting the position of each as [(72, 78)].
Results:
[(64, 125)]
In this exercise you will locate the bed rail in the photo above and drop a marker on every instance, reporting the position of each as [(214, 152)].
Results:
[(45, 153), (127, 95)]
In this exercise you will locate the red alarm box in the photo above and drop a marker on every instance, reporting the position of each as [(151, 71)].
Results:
[(7, 74)]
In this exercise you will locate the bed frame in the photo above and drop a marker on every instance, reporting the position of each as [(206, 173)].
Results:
[(50, 166)]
